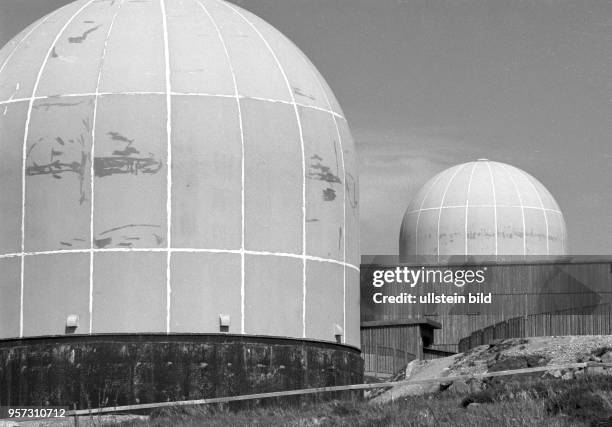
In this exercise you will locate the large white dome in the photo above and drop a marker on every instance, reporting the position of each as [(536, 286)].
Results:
[(168, 162), (482, 208)]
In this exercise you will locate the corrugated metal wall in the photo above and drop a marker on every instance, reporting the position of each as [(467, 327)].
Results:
[(387, 349), (546, 324), (576, 287)]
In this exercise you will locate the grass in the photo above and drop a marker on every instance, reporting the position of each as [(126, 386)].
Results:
[(586, 401)]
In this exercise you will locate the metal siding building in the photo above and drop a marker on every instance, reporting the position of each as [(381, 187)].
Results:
[(599, 322), (557, 289), (388, 346)]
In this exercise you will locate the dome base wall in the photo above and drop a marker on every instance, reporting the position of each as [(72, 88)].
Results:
[(108, 370)]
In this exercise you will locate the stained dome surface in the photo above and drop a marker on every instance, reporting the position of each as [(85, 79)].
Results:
[(482, 208), (165, 162)]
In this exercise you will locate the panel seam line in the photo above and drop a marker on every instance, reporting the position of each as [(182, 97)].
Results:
[(299, 124), (173, 93), (92, 168), (242, 170), (344, 187), (494, 205), (450, 181), (467, 210), (24, 153), (518, 193), (543, 210), (416, 231), (168, 163)]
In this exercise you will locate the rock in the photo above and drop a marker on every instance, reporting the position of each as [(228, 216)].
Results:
[(511, 362), (478, 397), (445, 385), (474, 406), (417, 370), (411, 367), (495, 342), (568, 375), (607, 357)]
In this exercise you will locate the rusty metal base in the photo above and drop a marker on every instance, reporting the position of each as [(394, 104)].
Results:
[(107, 370)]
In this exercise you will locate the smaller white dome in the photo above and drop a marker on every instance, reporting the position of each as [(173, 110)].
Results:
[(482, 208)]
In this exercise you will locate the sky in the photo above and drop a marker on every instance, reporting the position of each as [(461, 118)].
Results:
[(427, 84)]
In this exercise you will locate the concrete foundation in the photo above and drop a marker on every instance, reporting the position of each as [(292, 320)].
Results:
[(108, 370)]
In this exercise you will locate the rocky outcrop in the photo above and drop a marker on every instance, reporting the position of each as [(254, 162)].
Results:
[(503, 355)]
